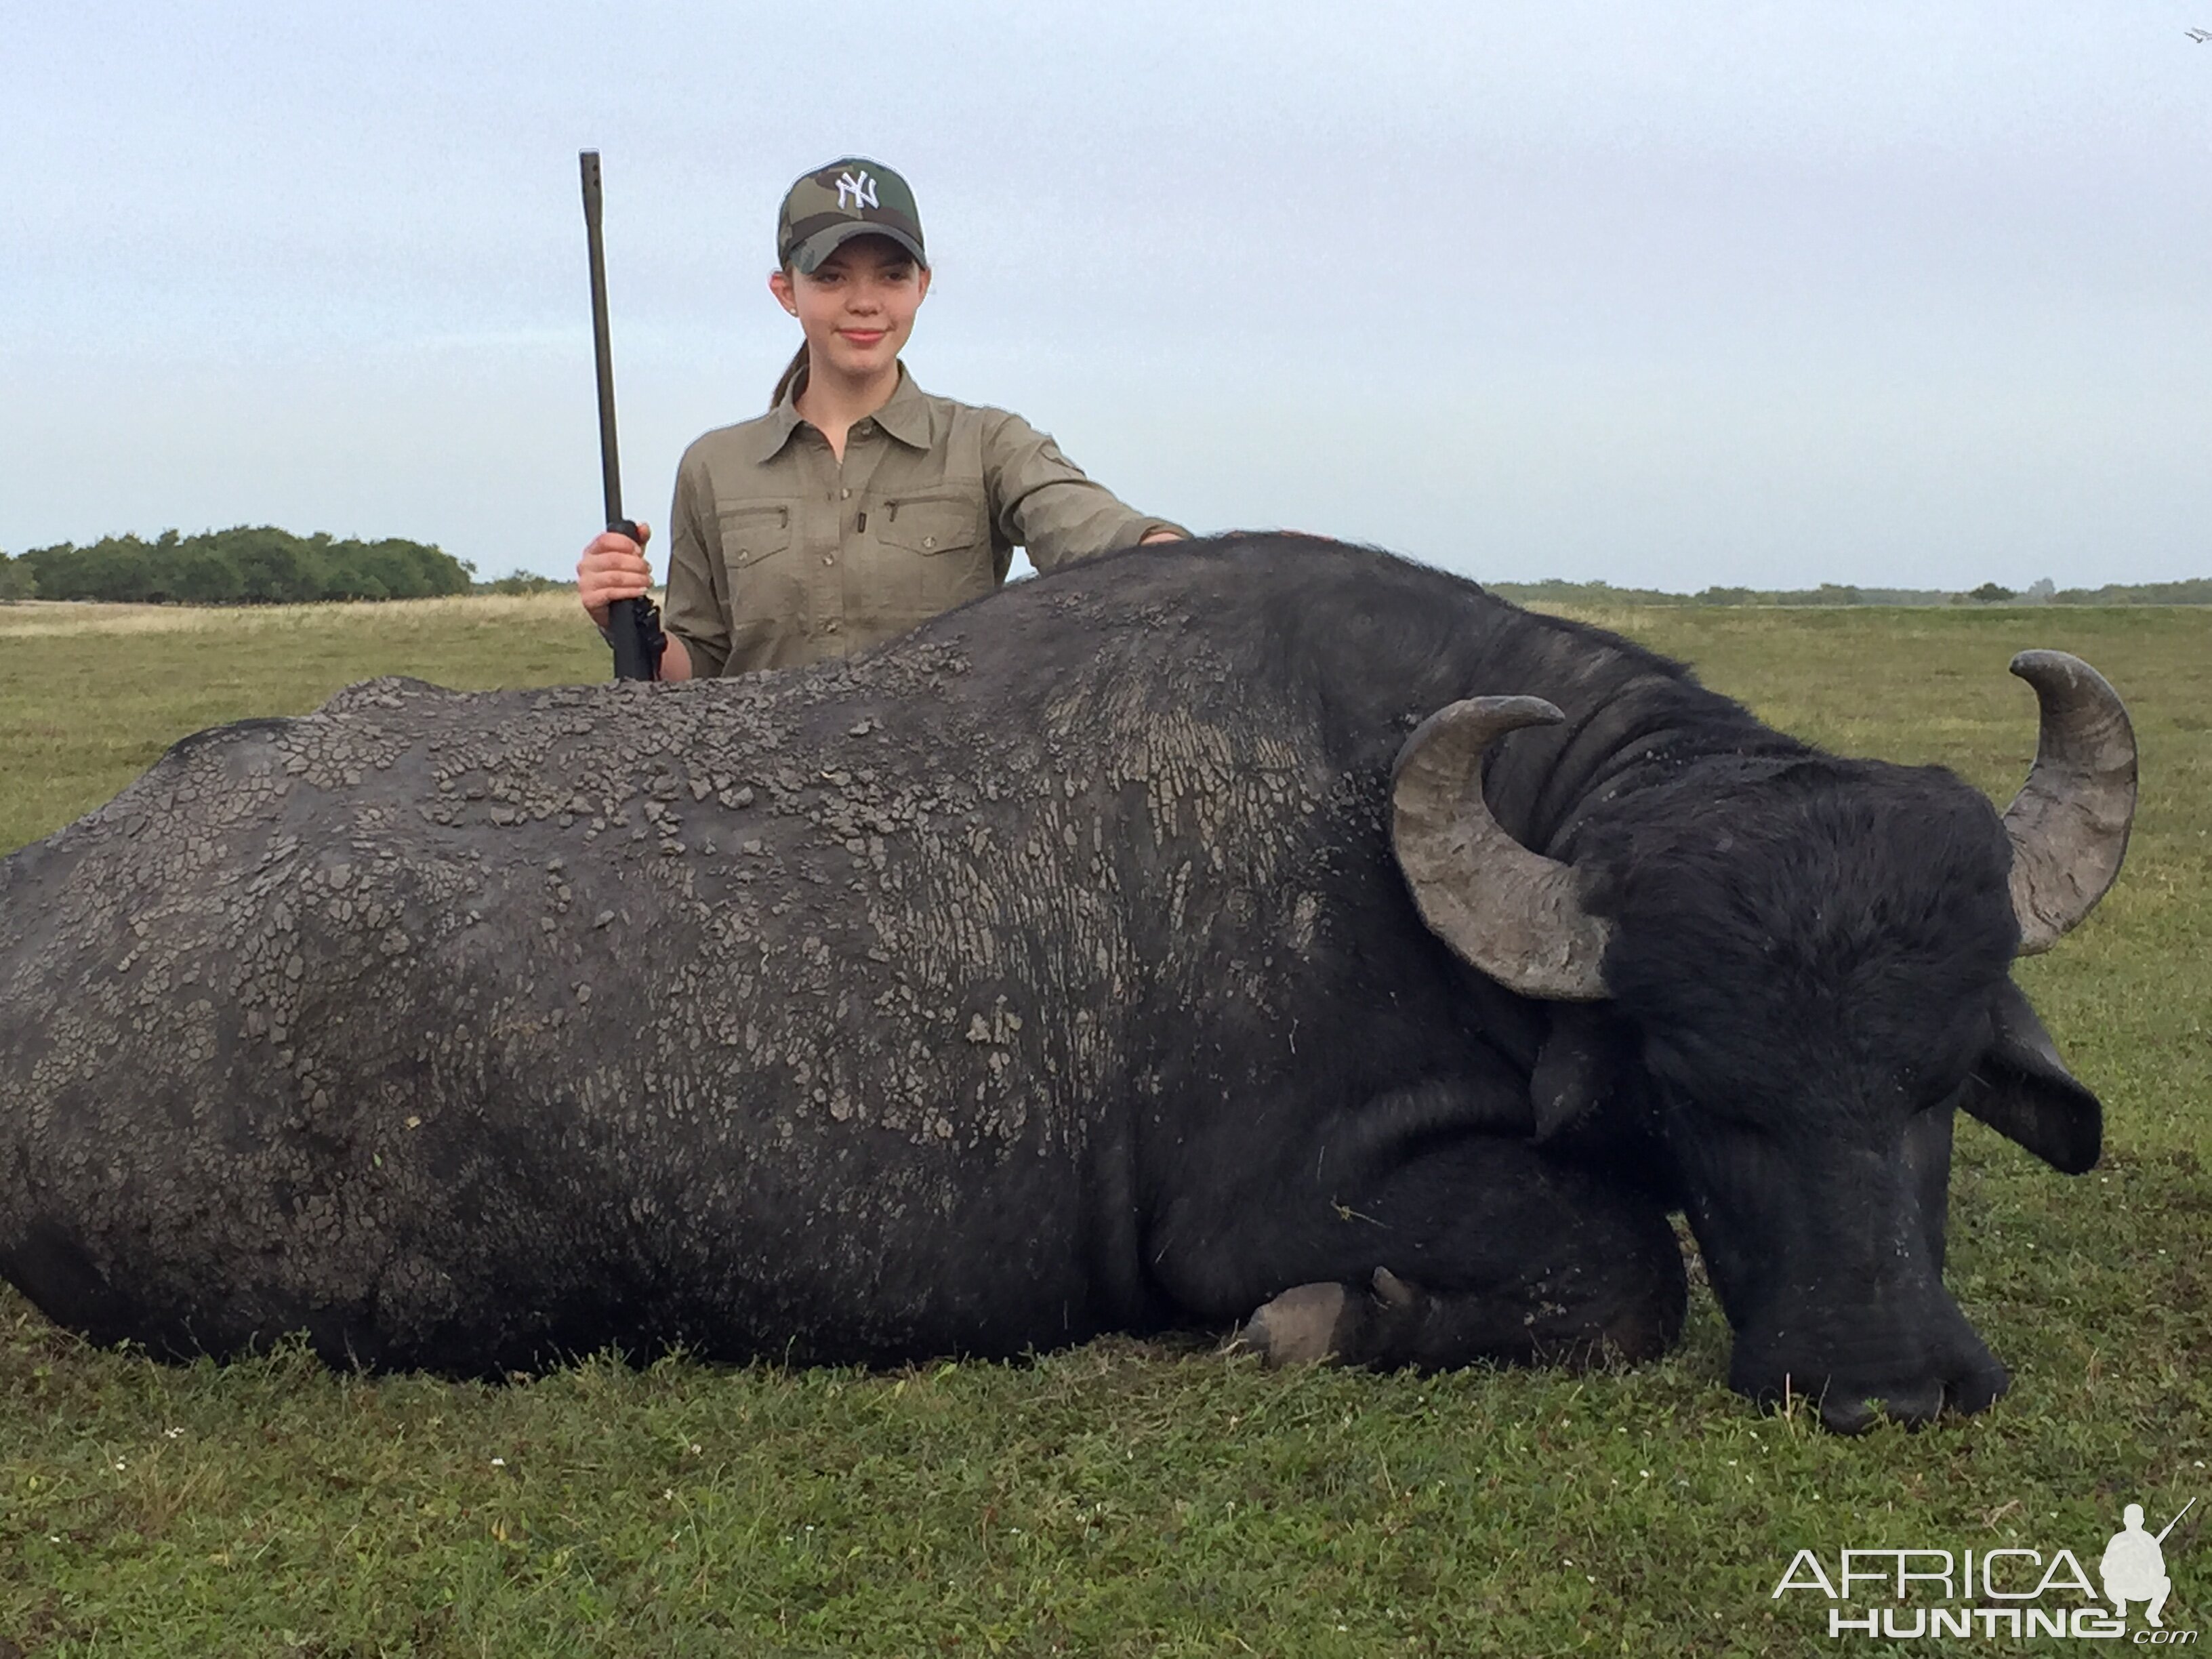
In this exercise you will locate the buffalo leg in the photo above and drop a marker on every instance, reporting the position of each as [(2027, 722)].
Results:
[(1503, 1256)]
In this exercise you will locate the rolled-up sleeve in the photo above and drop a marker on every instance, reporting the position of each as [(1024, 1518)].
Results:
[(1043, 501), (697, 609)]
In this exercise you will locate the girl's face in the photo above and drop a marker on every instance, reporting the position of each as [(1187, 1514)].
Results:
[(857, 307)]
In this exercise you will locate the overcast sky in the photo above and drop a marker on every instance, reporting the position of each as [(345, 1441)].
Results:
[(1664, 294)]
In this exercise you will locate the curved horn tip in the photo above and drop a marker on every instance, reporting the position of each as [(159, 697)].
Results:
[(2055, 671), (1507, 712), (1469, 726), (1492, 716)]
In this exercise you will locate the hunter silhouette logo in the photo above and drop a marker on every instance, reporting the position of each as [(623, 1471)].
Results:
[(862, 190), (2134, 1567)]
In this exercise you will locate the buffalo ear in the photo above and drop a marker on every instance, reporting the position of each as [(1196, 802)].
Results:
[(2023, 1090)]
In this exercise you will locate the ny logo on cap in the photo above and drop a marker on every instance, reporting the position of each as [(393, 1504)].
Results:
[(862, 190)]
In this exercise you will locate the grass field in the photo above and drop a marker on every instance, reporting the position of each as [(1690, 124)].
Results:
[(1127, 1498)]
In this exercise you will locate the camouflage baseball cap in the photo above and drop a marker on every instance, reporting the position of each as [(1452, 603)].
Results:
[(831, 205)]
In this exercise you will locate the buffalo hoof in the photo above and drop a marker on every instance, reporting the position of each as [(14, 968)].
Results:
[(1304, 1326)]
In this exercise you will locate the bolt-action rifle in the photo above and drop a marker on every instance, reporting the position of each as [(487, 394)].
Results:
[(633, 625)]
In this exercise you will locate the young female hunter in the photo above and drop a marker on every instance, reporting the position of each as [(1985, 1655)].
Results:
[(859, 506)]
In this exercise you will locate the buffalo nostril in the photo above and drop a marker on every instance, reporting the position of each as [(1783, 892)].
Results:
[(1844, 1412), (1914, 1407), (1979, 1389), (1853, 1411)]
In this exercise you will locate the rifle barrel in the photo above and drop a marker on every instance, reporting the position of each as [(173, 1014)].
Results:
[(626, 629), (602, 343), (2175, 1522)]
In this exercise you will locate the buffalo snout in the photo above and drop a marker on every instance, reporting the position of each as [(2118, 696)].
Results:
[(1857, 1373)]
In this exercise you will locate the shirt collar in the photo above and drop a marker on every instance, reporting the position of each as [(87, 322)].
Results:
[(776, 429), (905, 418)]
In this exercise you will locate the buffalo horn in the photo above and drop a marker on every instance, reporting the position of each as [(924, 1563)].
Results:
[(2069, 823), (1515, 914)]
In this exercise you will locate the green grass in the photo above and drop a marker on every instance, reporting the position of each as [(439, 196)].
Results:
[(1132, 1498)]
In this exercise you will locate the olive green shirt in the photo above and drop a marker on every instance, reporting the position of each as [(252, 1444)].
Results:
[(779, 554)]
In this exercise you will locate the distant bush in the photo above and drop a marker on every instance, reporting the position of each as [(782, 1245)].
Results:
[(522, 581), (17, 581), (249, 564)]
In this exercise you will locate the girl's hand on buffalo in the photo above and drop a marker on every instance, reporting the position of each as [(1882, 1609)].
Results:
[(613, 567)]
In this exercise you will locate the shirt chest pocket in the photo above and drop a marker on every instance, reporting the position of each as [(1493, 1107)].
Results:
[(930, 526), (762, 574), (936, 551), (753, 530)]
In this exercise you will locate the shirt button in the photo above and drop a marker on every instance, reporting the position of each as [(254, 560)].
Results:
[(844, 494), (929, 541), (830, 627), (828, 558)]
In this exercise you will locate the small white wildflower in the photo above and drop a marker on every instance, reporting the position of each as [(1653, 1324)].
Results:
[(695, 1449), (174, 1434), (669, 1493), (499, 1463), (119, 1462)]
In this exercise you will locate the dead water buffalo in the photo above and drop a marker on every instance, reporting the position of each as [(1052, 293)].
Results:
[(1136, 948)]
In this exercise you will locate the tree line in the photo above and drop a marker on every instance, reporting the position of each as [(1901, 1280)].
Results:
[(2195, 591), (260, 564), (249, 564)]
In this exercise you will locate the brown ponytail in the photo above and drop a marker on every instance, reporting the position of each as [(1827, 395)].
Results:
[(794, 372)]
